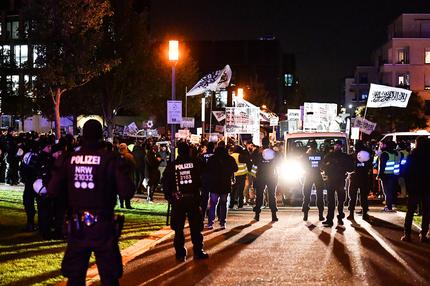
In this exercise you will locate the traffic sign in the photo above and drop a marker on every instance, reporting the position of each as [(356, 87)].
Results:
[(174, 111)]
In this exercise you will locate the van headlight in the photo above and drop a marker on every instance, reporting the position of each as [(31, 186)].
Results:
[(291, 170)]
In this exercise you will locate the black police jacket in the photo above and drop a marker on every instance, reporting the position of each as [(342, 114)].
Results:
[(92, 179), (181, 177)]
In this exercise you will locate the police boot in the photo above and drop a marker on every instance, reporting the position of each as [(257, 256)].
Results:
[(327, 223), (305, 216), (366, 217), (200, 254), (274, 217), (321, 216), (257, 217)]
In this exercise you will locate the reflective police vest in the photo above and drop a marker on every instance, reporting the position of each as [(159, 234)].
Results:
[(253, 171), (392, 166), (242, 170), (405, 155)]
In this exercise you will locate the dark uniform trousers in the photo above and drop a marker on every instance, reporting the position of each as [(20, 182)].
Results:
[(187, 206), (260, 185), (28, 200), (237, 192), (336, 186), (364, 186), (307, 189), (99, 238)]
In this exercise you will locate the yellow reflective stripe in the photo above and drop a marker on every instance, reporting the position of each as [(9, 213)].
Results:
[(242, 170)]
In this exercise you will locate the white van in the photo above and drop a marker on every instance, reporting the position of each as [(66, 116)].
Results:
[(405, 136)]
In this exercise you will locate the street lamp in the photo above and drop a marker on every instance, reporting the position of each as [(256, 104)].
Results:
[(240, 93), (173, 58)]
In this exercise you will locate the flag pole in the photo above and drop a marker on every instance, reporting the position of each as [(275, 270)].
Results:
[(186, 102)]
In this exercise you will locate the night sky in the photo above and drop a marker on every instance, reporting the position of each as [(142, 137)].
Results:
[(328, 38)]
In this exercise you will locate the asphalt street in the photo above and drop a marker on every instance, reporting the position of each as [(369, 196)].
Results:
[(291, 252)]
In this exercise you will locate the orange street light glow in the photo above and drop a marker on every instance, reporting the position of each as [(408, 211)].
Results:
[(173, 50)]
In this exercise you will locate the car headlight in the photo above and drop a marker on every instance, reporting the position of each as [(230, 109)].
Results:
[(291, 170)]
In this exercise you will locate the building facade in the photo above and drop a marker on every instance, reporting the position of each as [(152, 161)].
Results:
[(403, 61)]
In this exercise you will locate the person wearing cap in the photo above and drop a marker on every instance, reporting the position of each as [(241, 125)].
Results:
[(266, 177), (236, 195), (336, 164), (312, 162), (91, 179), (181, 183), (388, 172)]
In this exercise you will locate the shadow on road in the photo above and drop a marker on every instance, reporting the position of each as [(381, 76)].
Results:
[(195, 271)]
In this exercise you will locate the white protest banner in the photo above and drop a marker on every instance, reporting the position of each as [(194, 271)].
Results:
[(385, 96), (355, 133), (187, 122), (195, 139), (219, 128), (130, 129), (174, 111), (242, 120), (212, 82), (274, 121), (293, 116), (219, 115), (182, 134), (365, 125), (318, 116)]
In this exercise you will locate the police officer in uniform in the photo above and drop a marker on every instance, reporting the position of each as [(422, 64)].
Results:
[(92, 180), (313, 176), (360, 179), (388, 172), (266, 177), (181, 183), (336, 164)]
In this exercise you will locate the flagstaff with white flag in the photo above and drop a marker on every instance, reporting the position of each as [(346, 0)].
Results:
[(212, 82)]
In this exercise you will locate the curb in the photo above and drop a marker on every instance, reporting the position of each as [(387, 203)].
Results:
[(130, 253)]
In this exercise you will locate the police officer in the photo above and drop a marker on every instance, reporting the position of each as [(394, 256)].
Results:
[(92, 180), (266, 177), (313, 176), (388, 171), (181, 183), (335, 165), (360, 179)]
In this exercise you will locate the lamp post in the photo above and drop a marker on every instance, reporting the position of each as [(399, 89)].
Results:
[(173, 58)]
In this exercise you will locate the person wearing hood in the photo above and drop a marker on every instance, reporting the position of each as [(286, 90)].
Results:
[(266, 177), (220, 169), (336, 165), (91, 179)]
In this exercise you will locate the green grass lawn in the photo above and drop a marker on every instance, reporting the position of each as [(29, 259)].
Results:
[(26, 259)]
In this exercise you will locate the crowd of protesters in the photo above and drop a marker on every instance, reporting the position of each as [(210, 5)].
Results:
[(232, 176)]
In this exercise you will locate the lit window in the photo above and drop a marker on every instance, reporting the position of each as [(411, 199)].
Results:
[(403, 80), (21, 54), (427, 56), (288, 78), (5, 54), (38, 56), (403, 56), (12, 28), (13, 84)]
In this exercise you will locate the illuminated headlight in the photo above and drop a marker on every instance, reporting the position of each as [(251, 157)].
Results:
[(291, 170)]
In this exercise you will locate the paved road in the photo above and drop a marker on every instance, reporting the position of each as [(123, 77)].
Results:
[(291, 252)]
